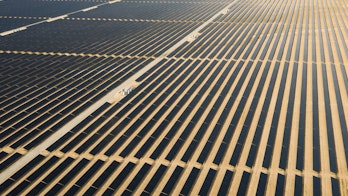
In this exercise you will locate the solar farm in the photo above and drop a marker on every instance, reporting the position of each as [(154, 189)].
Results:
[(173, 97)]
